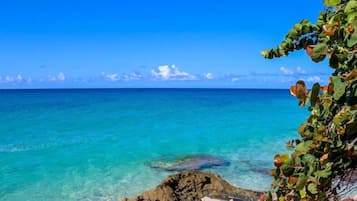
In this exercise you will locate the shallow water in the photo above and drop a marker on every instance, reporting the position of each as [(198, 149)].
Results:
[(95, 144)]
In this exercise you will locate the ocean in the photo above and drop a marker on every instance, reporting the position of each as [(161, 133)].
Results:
[(95, 144)]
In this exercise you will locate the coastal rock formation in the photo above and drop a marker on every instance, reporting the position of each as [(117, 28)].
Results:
[(194, 185), (187, 162)]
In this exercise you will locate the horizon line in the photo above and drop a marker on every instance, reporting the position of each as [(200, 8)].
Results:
[(93, 88)]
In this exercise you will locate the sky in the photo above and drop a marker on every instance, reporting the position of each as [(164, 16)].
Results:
[(157, 43)]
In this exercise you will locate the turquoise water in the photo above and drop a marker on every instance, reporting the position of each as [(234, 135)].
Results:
[(95, 144)]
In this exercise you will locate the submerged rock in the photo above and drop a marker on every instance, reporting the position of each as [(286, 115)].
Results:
[(194, 186), (187, 162)]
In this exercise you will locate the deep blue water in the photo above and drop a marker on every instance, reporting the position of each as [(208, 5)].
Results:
[(94, 144)]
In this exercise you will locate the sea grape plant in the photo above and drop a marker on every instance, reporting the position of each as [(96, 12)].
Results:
[(320, 163)]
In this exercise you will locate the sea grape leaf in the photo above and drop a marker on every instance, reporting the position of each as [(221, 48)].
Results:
[(341, 117), (339, 87), (319, 52), (338, 17), (309, 158), (325, 173), (269, 197), (312, 188), (334, 60), (303, 193), (323, 158), (300, 92), (352, 40), (292, 179), (280, 159), (298, 27), (351, 17), (287, 167), (301, 181), (351, 7), (310, 162), (303, 147), (314, 93), (293, 34), (330, 3)]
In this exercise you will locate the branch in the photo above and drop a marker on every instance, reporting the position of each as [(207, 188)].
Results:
[(350, 145)]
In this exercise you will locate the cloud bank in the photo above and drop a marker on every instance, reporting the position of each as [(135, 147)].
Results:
[(280, 77), (171, 73)]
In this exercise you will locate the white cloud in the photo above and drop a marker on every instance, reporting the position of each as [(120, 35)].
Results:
[(51, 78), (286, 71), (9, 78), (61, 76), (133, 76), (314, 79), (209, 76), (126, 77), (162, 72), (171, 73), (300, 70), (231, 77), (19, 78), (112, 77), (235, 79)]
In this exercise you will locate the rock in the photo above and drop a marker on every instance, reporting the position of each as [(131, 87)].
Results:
[(350, 177), (194, 185), (351, 199), (210, 199), (354, 176), (187, 162)]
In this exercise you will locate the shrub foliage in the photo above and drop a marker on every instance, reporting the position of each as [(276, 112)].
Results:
[(319, 164)]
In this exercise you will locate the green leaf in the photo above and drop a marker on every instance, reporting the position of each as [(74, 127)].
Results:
[(334, 60), (310, 159), (303, 147), (351, 7), (325, 173), (298, 27), (352, 39), (319, 52), (303, 193), (305, 22), (314, 93), (312, 188), (331, 3), (293, 34), (287, 167), (339, 87), (338, 119), (301, 182), (351, 16)]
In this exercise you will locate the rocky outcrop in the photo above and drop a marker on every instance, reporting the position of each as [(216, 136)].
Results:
[(193, 186)]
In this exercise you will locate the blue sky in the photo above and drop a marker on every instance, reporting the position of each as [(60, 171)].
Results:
[(83, 43)]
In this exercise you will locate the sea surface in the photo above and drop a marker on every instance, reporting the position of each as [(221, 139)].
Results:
[(95, 144)]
